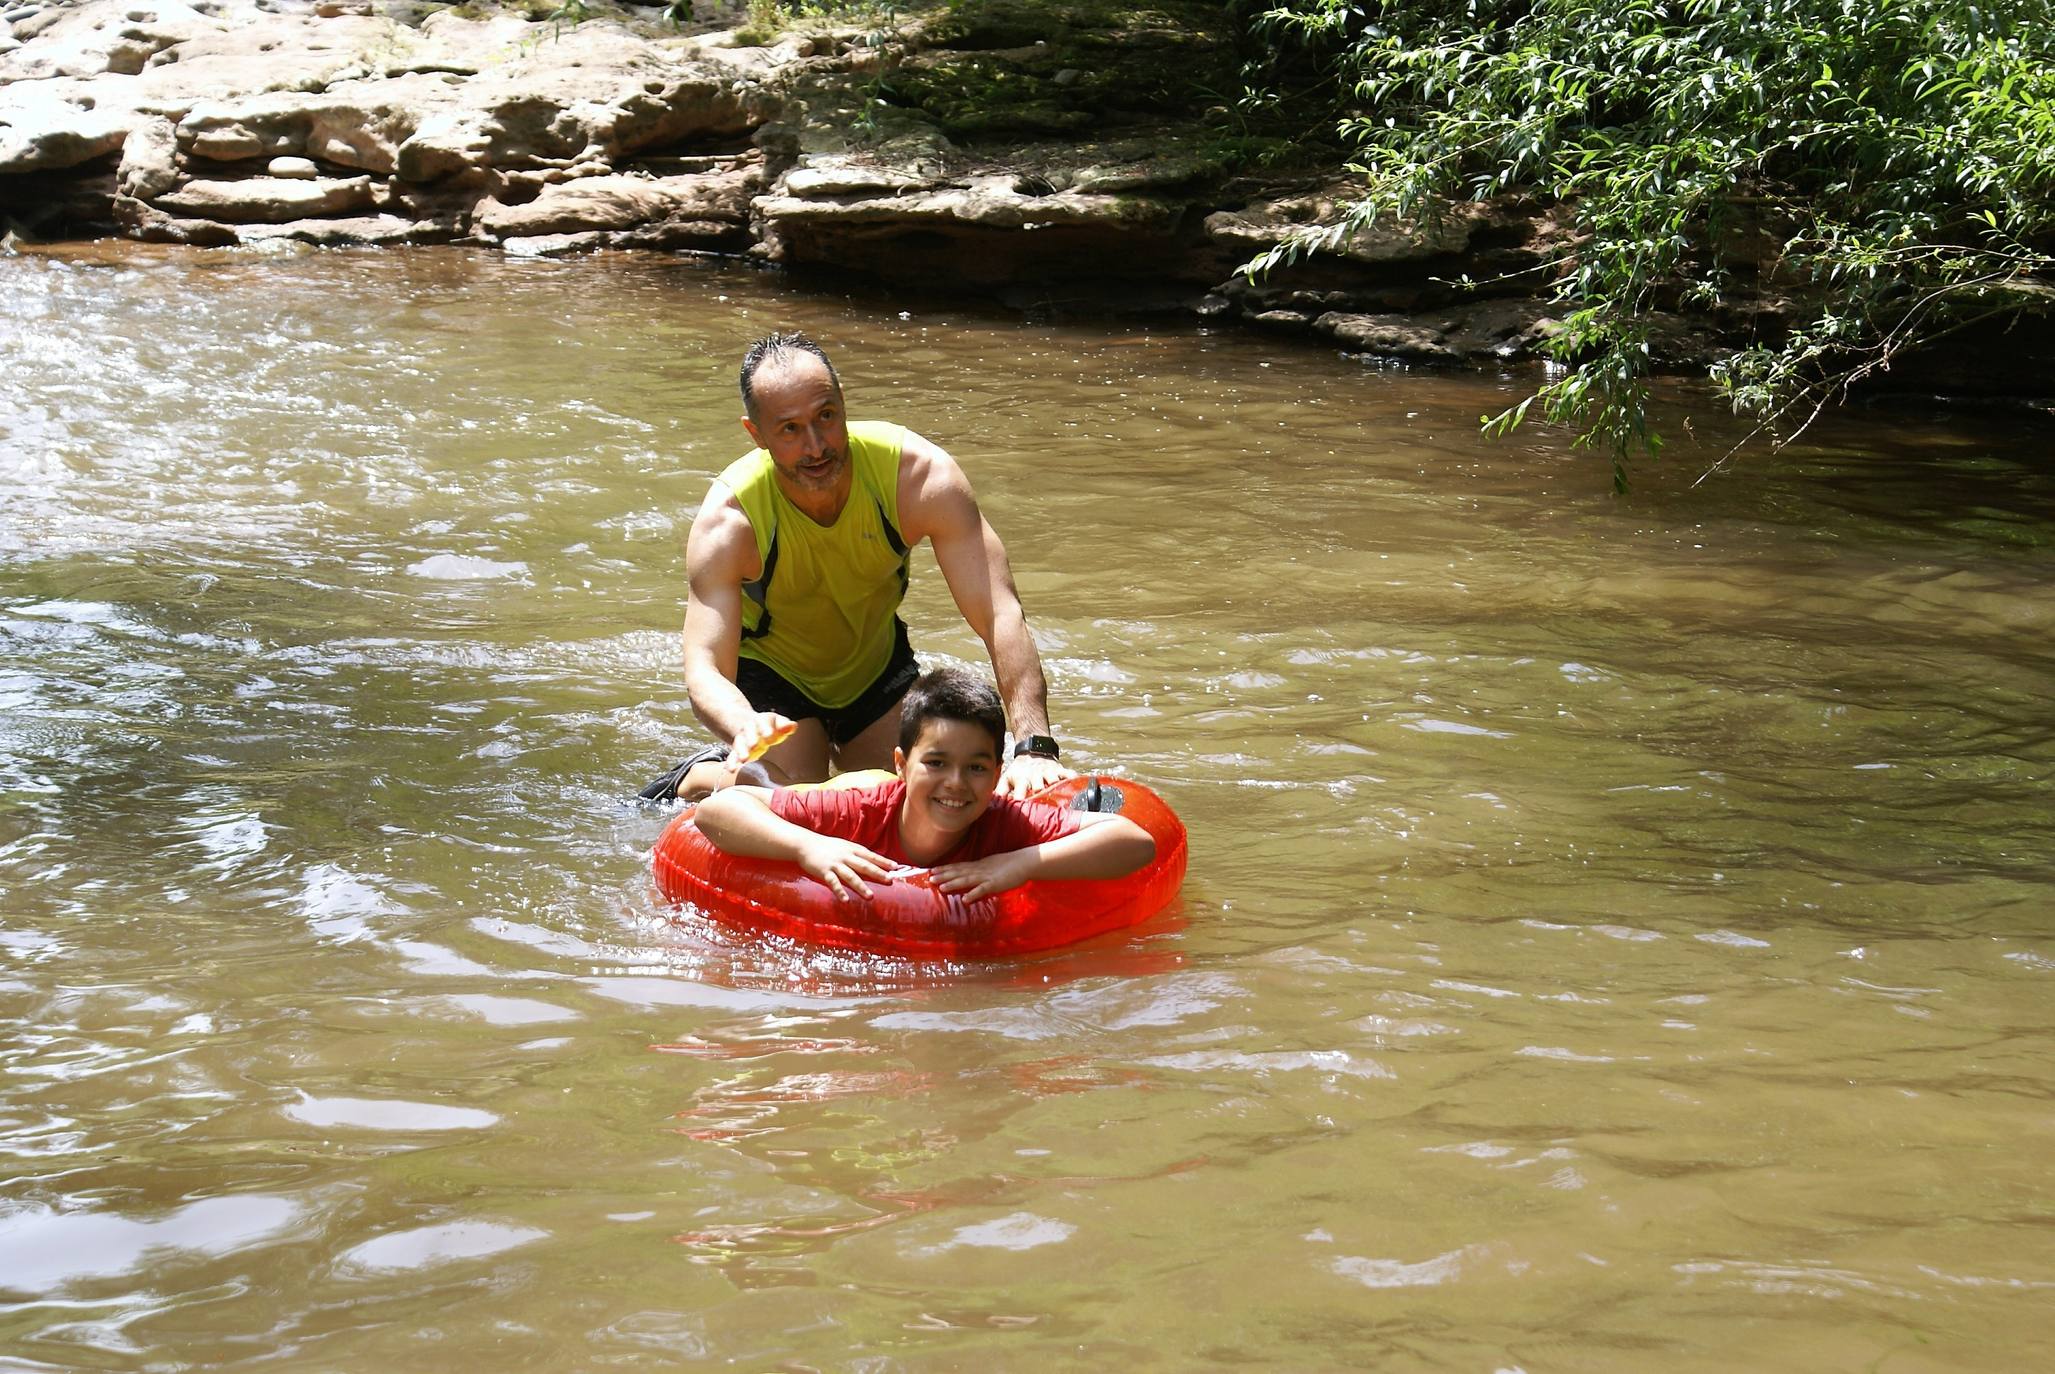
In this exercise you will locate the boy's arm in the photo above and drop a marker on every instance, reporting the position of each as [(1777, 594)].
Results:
[(739, 820), (1101, 847)]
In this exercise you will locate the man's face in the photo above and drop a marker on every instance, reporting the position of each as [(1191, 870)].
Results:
[(799, 422)]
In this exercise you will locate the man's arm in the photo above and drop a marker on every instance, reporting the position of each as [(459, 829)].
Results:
[(936, 503), (720, 553)]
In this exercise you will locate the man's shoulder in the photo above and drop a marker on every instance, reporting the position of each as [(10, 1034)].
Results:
[(934, 491), (749, 470), (739, 494), (877, 432), (878, 446), (723, 513)]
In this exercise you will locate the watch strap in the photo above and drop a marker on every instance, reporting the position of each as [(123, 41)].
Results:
[(1041, 746)]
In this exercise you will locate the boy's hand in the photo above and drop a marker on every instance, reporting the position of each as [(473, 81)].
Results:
[(843, 865), (981, 878), (1027, 774)]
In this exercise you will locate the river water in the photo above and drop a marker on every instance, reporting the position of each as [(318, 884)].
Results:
[(1618, 934)]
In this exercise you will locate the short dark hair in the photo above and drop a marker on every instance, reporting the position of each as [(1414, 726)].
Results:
[(951, 694), (779, 350)]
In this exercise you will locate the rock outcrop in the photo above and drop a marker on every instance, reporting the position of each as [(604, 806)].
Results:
[(1047, 153)]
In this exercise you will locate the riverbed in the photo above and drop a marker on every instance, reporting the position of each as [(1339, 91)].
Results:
[(1618, 933)]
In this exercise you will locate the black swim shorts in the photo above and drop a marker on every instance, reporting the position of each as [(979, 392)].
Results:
[(768, 691)]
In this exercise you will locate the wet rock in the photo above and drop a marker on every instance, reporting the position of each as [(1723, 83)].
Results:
[(678, 234), (1006, 69), (986, 202), (53, 124), (1267, 223), (144, 221), (1493, 328), (232, 143), (818, 177), (149, 160), (606, 96), (22, 20), (1679, 342), (351, 231), (1503, 328), (97, 39), (1149, 174), (267, 200), (359, 89), (1390, 336), (623, 202), (449, 203), (554, 245), (58, 121), (985, 235)]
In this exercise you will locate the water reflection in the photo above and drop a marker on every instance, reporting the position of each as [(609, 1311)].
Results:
[(432, 1246), (44, 1251)]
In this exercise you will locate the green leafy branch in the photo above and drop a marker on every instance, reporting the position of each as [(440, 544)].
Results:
[(1889, 165)]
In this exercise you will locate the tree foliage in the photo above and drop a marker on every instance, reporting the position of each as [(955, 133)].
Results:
[(1899, 156)]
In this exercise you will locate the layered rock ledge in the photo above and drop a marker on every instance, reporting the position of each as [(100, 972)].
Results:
[(1046, 156)]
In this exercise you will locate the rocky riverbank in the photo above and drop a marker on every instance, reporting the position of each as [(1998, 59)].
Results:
[(1049, 156)]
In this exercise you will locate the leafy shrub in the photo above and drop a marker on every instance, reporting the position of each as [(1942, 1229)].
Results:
[(1899, 155)]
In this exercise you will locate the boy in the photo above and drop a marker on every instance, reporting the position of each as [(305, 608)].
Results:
[(939, 813)]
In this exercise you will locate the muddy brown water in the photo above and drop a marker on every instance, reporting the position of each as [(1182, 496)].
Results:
[(1618, 934)]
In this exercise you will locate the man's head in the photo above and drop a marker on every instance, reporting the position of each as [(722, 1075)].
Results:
[(777, 351), (792, 408), (951, 729)]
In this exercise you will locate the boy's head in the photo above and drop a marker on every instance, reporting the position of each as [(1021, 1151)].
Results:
[(951, 694), (951, 729)]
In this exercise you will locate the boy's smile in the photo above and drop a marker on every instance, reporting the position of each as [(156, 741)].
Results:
[(950, 775)]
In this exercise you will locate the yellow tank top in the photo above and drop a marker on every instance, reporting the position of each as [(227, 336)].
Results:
[(820, 613)]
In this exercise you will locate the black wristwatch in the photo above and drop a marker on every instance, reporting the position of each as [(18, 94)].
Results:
[(1041, 746)]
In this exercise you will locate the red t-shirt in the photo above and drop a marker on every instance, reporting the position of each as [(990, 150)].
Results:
[(870, 816)]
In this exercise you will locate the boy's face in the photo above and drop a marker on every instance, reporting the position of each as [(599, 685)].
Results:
[(950, 774)]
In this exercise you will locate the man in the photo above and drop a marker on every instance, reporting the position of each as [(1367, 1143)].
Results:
[(797, 562)]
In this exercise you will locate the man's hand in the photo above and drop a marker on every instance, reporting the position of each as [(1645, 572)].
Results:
[(843, 865), (1027, 774), (981, 878), (762, 731)]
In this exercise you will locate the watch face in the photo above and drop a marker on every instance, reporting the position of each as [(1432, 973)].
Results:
[(1041, 746)]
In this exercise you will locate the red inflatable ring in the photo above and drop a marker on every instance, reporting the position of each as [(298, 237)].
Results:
[(907, 916)]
